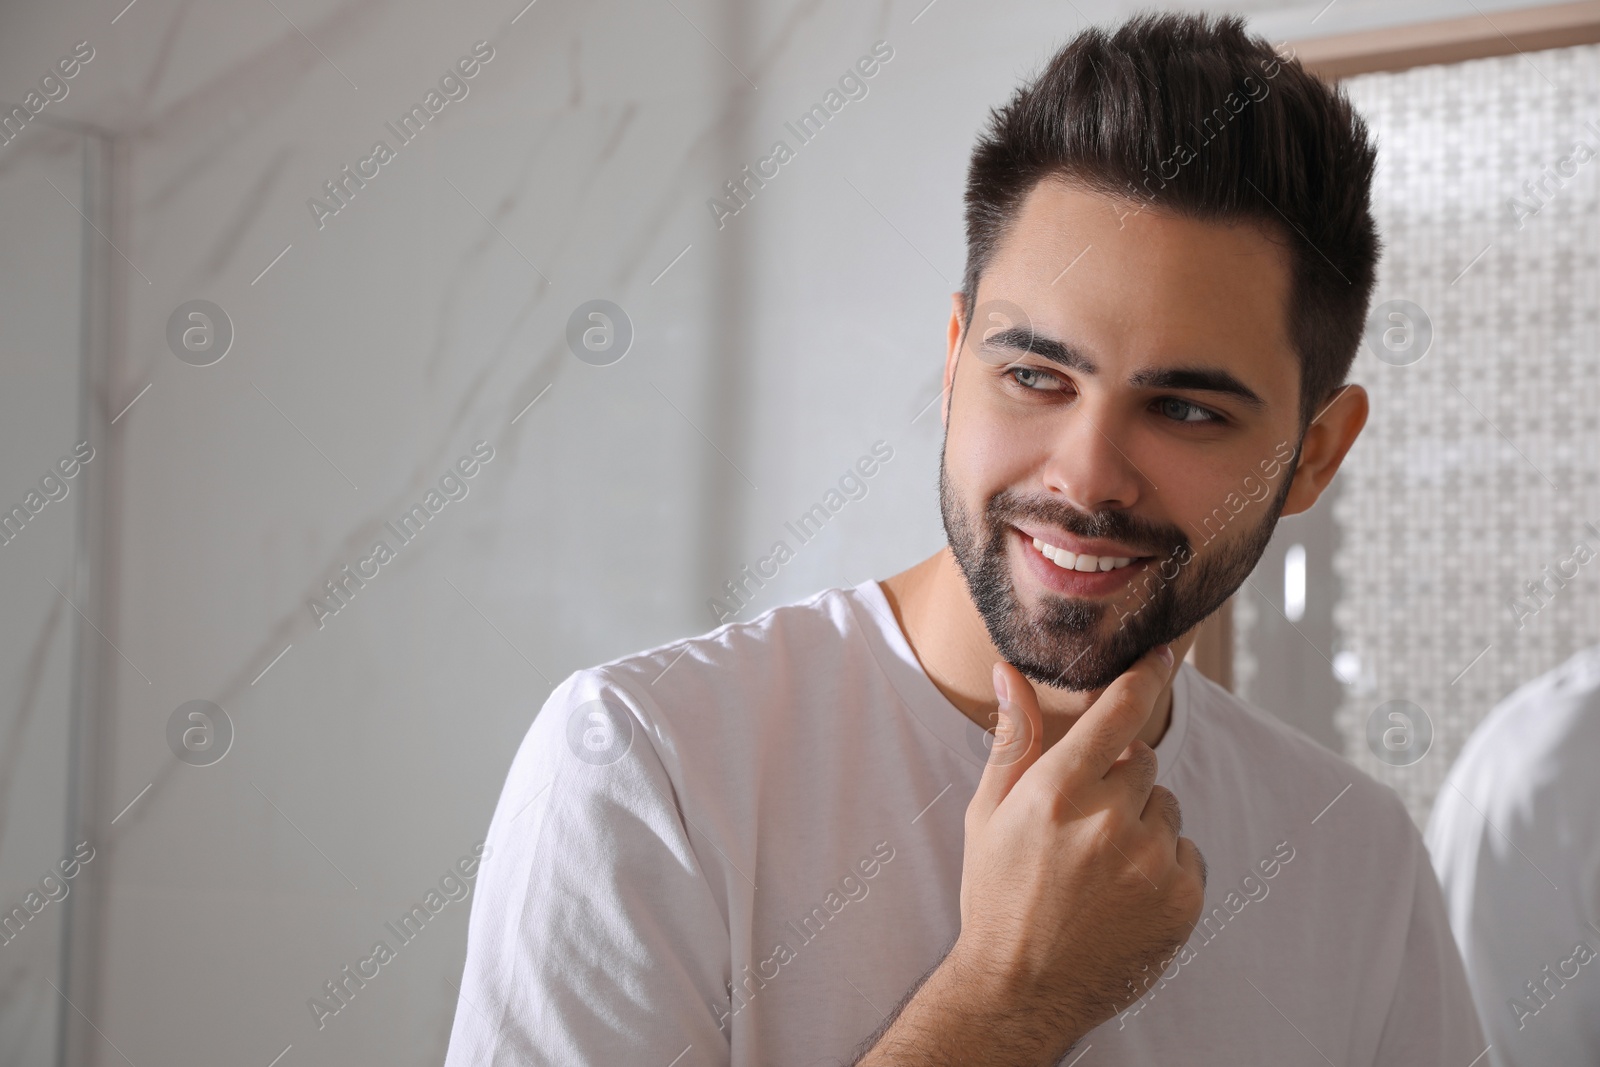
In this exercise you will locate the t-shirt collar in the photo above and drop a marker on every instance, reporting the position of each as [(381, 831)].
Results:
[(931, 708)]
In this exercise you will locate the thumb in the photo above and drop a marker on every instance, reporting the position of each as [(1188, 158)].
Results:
[(1017, 737)]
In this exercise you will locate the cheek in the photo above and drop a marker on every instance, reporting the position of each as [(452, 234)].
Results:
[(987, 452), (1191, 491), (988, 432), (1222, 502)]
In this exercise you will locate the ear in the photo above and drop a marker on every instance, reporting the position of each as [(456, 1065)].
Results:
[(957, 306), (1326, 441)]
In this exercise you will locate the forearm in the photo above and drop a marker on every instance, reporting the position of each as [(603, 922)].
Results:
[(960, 1015)]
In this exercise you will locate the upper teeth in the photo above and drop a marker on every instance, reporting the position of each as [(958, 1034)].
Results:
[(1067, 561)]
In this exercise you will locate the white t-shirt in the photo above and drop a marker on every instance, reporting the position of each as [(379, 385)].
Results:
[(1515, 836), (777, 806)]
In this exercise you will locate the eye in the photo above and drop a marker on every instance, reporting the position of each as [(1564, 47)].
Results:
[(1025, 376), (1182, 411)]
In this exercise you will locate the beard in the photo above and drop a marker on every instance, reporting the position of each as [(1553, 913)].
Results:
[(1060, 642)]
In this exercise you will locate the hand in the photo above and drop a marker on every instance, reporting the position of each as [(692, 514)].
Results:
[(1074, 878)]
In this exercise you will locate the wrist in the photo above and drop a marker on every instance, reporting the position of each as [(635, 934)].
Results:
[(986, 983), (996, 999)]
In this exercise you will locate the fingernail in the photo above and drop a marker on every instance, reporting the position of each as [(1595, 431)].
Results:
[(1001, 692), (1166, 654)]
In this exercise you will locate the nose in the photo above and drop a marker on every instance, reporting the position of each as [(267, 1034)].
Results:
[(1088, 463)]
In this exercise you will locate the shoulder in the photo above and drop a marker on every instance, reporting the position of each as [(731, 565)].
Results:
[(691, 695), (745, 649), (1549, 720), (682, 724), (1529, 761)]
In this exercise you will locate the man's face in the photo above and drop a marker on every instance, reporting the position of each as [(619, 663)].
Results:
[(1133, 416)]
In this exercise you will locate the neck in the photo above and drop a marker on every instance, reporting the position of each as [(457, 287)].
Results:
[(942, 625)]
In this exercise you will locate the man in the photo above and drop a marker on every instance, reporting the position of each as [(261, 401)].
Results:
[(1515, 837), (792, 840)]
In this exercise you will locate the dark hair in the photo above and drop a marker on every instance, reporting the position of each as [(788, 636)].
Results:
[(1193, 115)]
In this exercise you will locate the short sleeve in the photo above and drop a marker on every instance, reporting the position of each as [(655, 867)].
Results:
[(1520, 866), (595, 936), (1432, 1019)]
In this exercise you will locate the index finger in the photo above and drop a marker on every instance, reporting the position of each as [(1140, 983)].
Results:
[(1097, 739)]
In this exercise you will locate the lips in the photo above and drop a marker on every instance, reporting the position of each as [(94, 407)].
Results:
[(1074, 566)]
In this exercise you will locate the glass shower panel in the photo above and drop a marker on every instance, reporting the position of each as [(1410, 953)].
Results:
[(43, 449)]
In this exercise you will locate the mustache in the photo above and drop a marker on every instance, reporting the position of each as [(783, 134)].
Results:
[(1151, 539)]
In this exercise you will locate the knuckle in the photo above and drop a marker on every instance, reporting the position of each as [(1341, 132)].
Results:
[(1112, 824), (1040, 803), (1192, 898), (1154, 856), (1171, 810), (1146, 766), (1140, 756), (1063, 810), (1189, 887)]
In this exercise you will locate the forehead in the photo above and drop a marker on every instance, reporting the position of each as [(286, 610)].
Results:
[(1134, 287)]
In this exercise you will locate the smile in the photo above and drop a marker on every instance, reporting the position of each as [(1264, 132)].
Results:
[(1087, 570), (1084, 562)]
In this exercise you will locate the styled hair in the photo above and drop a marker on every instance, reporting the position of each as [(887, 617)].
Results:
[(1192, 115)]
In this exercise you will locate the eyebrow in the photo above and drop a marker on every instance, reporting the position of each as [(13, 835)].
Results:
[(1024, 339), (1201, 379)]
